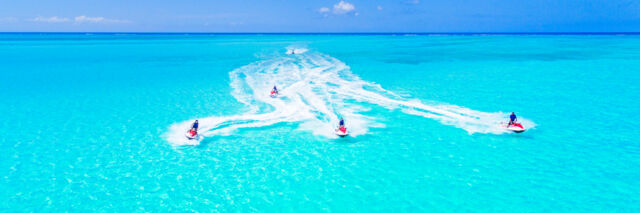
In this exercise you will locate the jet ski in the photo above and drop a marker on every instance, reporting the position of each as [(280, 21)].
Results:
[(342, 131), (192, 134), (273, 94), (514, 127)]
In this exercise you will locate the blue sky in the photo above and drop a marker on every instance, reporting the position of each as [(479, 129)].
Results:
[(320, 16)]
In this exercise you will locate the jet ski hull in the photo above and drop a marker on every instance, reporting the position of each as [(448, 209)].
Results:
[(517, 128), (194, 137), (341, 133)]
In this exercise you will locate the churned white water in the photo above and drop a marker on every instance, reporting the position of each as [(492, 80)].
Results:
[(315, 91)]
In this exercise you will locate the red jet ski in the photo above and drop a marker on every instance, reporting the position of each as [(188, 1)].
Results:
[(192, 134), (342, 131), (273, 94), (515, 127)]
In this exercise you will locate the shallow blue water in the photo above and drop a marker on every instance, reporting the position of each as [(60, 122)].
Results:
[(91, 122)]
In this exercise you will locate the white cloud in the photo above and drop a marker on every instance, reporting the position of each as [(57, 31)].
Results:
[(323, 10), (52, 19), (87, 19), (340, 8), (76, 20), (83, 19), (343, 7), (379, 7)]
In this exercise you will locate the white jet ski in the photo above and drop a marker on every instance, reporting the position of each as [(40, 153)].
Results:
[(514, 127), (342, 131)]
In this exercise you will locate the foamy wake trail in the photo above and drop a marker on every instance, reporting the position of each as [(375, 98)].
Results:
[(317, 89)]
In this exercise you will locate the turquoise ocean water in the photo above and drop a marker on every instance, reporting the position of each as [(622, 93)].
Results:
[(97, 121)]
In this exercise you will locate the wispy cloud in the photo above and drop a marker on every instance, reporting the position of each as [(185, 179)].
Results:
[(341, 7), (214, 16), (52, 19), (412, 2), (87, 19), (76, 20), (324, 10), (379, 7), (8, 19)]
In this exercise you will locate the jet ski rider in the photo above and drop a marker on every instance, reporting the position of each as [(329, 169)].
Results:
[(195, 125), (275, 90), (512, 119), (341, 122)]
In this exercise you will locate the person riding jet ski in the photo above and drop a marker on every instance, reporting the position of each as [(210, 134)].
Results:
[(341, 131), (513, 124), (195, 125), (193, 132), (512, 119), (274, 91)]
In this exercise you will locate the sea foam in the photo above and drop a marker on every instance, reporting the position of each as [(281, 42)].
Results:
[(315, 91)]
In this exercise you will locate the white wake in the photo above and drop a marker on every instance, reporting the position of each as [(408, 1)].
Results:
[(315, 90)]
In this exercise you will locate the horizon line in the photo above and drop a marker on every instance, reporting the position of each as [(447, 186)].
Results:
[(343, 33)]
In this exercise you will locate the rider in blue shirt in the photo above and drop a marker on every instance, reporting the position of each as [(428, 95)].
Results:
[(195, 125), (341, 122), (512, 119)]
